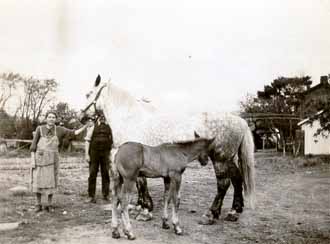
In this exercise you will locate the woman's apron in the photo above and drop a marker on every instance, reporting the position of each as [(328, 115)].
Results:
[(45, 175)]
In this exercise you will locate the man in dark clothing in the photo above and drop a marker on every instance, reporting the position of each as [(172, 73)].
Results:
[(97, 151)]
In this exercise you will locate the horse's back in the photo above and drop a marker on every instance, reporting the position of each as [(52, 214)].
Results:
[(228, 129)]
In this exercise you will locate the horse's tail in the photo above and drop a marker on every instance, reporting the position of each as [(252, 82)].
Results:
[(246, 162)]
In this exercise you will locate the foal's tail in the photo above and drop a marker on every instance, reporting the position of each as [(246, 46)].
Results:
[(114, 173), (115, 178), (246, 162)]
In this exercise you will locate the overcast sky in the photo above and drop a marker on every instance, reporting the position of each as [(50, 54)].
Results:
[(182, 53)]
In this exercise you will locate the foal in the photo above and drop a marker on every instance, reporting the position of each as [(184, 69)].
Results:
[(167, 161)]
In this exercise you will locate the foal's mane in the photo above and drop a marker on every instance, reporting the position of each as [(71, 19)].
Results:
[(184, 143)]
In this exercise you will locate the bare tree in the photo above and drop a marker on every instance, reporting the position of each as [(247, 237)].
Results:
[(8, 84), (38, 94), (34, 96)]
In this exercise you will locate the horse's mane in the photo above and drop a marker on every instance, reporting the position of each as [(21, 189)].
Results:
[(121, 97)]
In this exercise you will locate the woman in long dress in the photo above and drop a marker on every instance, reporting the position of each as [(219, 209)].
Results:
[(45, 158)]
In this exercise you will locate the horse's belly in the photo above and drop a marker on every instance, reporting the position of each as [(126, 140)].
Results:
[(149, 173)]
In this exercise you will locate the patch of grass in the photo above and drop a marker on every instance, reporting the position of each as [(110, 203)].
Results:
[(311, 160)]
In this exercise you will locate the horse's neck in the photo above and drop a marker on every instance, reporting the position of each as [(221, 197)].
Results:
[(192, 157), (133, 120), (126, 125), (124, 106), (191, 153), (121, 98)]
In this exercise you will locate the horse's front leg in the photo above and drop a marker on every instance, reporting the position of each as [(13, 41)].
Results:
[(167, 199), (223, 183), (174, 192), (238, 201), (126, 196)]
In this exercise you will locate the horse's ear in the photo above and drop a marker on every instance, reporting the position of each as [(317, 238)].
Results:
[(196, 134), (211, 142), (97, 81)]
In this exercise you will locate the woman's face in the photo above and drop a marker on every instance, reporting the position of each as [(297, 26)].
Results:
[(51, 119)]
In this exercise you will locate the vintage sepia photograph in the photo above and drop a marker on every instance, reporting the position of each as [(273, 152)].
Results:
[(149, 122)]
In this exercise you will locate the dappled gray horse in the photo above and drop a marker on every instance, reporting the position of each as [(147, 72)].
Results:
[(135, 120), (167, 161)]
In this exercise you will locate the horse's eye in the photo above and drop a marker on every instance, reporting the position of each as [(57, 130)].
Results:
[(87, 95)]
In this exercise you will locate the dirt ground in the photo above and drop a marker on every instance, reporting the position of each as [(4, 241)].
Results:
[(293, 206)]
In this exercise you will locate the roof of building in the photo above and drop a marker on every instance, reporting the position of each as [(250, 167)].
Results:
[(324, 83), (309, 118)]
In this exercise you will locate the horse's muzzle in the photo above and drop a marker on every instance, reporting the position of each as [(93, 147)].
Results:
[(82, 117)]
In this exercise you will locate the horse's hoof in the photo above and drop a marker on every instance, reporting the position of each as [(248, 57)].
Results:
[(206, 220), (165, 225), (232, 216), (115, 234), (238, 209), (178, 230), (144, 216), (130, 236)]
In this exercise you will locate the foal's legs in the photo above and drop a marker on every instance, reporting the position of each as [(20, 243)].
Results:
[(166, 202), (115, 188), (126, 196), (174, 189)]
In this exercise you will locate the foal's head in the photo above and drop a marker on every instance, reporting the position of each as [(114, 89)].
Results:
[(203, 157), (198, 149)]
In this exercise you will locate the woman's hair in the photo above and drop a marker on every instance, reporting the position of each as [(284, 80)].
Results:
[(51, 112)]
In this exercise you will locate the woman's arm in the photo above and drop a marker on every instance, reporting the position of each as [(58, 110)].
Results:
[(62, 131), (78, 131), (36, 137)]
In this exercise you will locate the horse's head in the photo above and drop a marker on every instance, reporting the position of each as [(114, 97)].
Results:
[(203, 157), (92, 106)]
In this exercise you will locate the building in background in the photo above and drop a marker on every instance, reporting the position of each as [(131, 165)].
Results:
[(314, 96), (314, 145)]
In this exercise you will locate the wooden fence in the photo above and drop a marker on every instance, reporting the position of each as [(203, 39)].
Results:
[(10, 145)]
